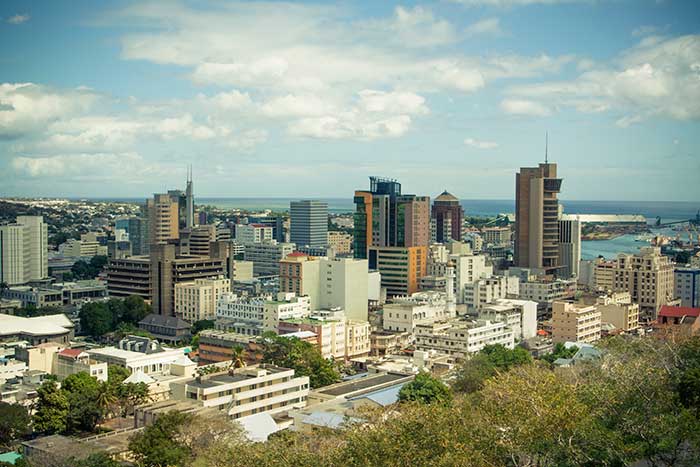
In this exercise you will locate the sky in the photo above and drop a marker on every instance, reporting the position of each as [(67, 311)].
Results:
[(268, 99)]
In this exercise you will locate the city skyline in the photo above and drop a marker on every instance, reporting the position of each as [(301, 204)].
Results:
[(116, 99)]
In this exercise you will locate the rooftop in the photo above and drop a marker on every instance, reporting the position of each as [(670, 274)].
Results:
[(678, 311), (39, 325), (360, 384)]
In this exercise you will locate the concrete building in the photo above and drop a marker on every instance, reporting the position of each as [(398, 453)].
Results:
[(129, 276), (617, 309), (254, 315), (546, 289), (329, 327), (34, 296), (687, 285), (274, 221), (248, 391), (536, 218), (572, 322), (461, 338), (308, 223), (647, 276), (400, 267), (24, 250), (89, 245), (72, 361), (498, 236), (163, 218), (413, 221), (37, 330), (519, 315), (197, 300), (267, 256), (138, 354), (447, 216), (247, 234), (329, 283), (167, 269), (189, 201), (407, 312), (488, 290), (39, 357), (196, 241), (569, 246), (341, 242)]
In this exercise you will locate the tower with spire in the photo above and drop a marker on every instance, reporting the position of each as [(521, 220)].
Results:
[(189, 203)]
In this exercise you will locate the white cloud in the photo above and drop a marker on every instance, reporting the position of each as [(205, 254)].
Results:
[(28, 108), (296, 106), (645, 30), (658, 77), (392, 102), (524, 107), (488, 26), (19, 18), (351, 125), (475, 143), (87, 165), (416, 27)]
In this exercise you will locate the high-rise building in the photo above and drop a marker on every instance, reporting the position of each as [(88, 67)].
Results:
[(24, 250), (266, 256), (308, 223), (276, 222), (196, 300), (135, 227), (189, 201), (386, 218), (569, 245), (447, 215), (400, 267), (163, 215), (247, 234), (647, 276), (572, 322), (688, 286), (168, 269), (537, 218)]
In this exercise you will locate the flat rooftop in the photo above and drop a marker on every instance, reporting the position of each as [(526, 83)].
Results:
[(360, 384)]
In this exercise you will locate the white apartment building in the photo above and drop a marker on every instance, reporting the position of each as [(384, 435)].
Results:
[(266, 256), (248, 391), (617, 309), (405, 313), (498, 236), (569, 245), (87, 247), (253, 233), (197, 300), (546, 290), (341, 242), (519, 315), (329, 282), (461, 338), (687, 285), (330, 327), (24, 250), (139, 354), (573, 322), (487, 290), (357, 339), (255, 315)]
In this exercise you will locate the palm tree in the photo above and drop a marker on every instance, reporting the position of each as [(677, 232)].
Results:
[(105, 399), (237, 358)]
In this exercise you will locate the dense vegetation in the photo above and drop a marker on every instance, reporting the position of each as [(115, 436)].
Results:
[(82, 402), (82, 269), (100, 318), (638, 402)]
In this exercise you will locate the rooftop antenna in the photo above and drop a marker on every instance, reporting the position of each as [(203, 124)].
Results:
[(546, 146)]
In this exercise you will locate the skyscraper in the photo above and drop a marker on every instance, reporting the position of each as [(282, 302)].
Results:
[(386, 218), (537, 218), (447, 215), (163, 214), (309, 223), (189, 201), (569, 245), (23, 250)]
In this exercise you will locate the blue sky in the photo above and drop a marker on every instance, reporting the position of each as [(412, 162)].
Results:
[(308, 99)]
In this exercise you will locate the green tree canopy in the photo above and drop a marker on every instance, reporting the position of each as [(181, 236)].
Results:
[(14, 423), (157, 444), (51, 409), (425, 389)]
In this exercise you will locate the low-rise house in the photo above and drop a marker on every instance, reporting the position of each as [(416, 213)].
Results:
[(71, 361)]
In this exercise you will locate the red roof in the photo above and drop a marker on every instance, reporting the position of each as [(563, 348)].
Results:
[(70, 352), (678, 311), (296, 254)]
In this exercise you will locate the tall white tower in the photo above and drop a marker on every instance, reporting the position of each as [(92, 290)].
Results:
[(189, 214), (451, 306)]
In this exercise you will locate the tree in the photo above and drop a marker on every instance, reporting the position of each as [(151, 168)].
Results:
[(471, 374), (425, 389), (82, 392), (51, 409), (201, 325), (157, 444), (82, 269), (116, 374), (301, 356), (95, 319), (237, 358), (504, 358), (14, 423), (560, 351), (129, 395), (135, 309), (105, 399), (100, 459)]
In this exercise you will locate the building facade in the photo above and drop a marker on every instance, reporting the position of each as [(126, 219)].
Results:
[(687, 285), (24, 250), (572, 322), (569, 246), (400, 267), (308, 223), (447, 216), (163, 218), (196, 300)]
